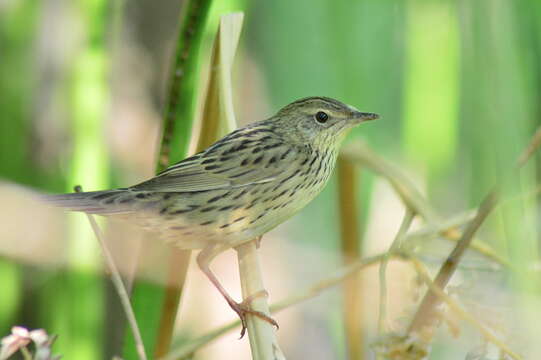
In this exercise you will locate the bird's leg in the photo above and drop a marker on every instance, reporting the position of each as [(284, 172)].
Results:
[(204, 258)]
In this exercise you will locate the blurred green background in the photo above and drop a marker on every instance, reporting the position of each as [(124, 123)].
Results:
[(82, 90)]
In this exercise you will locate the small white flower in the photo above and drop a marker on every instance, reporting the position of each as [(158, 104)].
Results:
[(39, 337), (19, 338)]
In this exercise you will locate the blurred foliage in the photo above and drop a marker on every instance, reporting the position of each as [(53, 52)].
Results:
[(458, 84)]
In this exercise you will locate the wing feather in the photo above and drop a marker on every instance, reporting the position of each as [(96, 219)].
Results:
[(240, 159)]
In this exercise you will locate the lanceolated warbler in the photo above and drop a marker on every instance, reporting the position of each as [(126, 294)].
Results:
[(237, 189)]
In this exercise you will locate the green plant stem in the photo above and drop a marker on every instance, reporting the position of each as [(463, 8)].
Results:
[(182, 93)]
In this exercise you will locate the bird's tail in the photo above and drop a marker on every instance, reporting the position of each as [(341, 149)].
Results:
[(107, 202)]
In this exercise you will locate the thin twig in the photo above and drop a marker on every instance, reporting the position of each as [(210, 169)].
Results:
[(534, 144), (444, 228), (411, 197), (449, 230), (425, 313), (404, 226), (119, 285), (457, 309), (336, 278)]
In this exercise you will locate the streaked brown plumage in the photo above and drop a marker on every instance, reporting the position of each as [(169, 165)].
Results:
[(237, 189)]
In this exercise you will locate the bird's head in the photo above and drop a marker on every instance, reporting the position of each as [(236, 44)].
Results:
[(320, 121)]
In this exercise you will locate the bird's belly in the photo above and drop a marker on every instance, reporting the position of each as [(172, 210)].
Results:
[(239, 216)]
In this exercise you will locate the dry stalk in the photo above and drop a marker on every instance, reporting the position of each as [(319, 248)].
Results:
[(425, 315)]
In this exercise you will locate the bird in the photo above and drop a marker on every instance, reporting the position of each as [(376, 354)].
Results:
[(236, 190)]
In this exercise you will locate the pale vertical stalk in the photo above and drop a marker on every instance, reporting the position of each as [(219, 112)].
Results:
[(263, 342), (395, 246)]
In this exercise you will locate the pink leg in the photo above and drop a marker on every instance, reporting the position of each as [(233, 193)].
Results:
[(204, 258)]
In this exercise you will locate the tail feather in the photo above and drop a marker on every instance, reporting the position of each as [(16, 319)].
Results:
[(107, 202)]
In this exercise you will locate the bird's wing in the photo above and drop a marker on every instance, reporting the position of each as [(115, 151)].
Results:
[(246, 156)]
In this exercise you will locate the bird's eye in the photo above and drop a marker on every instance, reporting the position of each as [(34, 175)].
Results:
[(322, 117)]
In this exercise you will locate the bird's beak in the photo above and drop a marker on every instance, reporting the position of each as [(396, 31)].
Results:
[(363, 116)]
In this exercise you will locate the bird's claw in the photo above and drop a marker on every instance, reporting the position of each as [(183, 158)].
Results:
[(243, 308)]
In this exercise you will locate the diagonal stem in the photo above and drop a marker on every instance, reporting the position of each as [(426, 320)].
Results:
[(457, 309), (425, 314), (119, 286)]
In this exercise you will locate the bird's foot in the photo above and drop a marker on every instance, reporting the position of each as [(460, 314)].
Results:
[(243, 308)]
